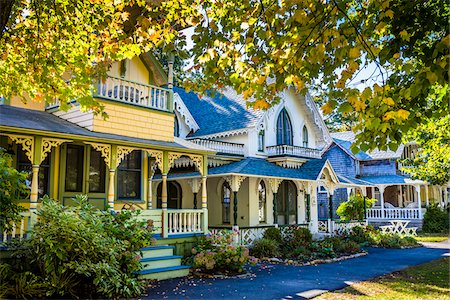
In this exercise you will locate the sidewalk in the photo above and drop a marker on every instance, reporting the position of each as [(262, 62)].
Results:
[(294, 282)]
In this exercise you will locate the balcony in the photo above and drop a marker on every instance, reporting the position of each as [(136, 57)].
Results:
[(294, 151), (221, 147), (130, 92)]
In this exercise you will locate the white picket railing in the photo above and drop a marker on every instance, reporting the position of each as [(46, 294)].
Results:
[(293, 151), (185, 221), (219, 146), (131, 92), (343, 228), (393, 213), (19, 229)]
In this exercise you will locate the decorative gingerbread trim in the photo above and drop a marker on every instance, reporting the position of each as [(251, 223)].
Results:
[(274, 184), (27, 143), (235, 181), (158, 155), (104, 149), (122, 152), (48, 144)]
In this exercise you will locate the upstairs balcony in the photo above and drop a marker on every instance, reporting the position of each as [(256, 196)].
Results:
[(292, 151), (131, 92), (234, 149)]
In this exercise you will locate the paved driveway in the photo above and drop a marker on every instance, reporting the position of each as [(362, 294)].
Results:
[(293, 282)]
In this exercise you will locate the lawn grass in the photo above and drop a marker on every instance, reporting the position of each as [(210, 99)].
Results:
[(427, 281), (431, 237)]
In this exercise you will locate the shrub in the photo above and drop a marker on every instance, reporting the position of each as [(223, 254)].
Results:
[(273, 234), (343, 246), (353, 209), (264, 248), (435, 220), (216, 253), (83, 252), (301, 237), (12, 189)]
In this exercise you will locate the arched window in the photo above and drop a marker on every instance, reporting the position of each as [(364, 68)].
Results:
[(305, 137), (174, 195), (262, 201), (226, 202), (284, 129), (176, 127), (261, 141)]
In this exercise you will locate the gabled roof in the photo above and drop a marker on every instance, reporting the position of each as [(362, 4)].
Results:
[(345, 139), (223, 112), (311, 170), (352, 181)]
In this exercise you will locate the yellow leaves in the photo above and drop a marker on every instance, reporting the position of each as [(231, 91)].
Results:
[(380, 28), (353, 53), (297, 81), (389, 14), (400, 115), (396, 55), (327, 108), (432, 77), (357, 103), (405, 35), (403, 114), (388, 101), (248, 93), (341, 83), (261, 104)]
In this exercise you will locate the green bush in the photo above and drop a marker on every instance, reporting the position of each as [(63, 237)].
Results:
[(301, 254), (301, 237), (435, 220), (83, 252), (342, 245), (216, 253), (273, 234), (353, 209), (264, 248), (12, 189)]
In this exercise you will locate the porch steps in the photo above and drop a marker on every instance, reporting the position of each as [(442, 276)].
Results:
[(158, 262)]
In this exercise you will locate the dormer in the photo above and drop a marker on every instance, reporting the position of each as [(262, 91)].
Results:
[(135, 99)]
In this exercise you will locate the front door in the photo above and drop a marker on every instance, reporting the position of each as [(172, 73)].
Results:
[(287, 203), (83, 171)]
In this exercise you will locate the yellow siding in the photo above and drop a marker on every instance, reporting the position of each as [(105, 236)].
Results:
[(135, 71), (135, 122), (17, 101)]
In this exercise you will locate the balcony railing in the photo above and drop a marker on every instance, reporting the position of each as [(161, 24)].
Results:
[(288, 150), (394, 213), (221, 147), (127, 91)]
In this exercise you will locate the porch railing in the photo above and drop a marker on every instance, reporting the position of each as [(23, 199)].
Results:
[(339, 227), (280, 150), (19, 230), (393, 213), (130, 92), (221, 147), (185, 221)]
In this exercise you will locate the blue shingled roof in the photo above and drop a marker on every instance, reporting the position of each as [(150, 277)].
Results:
[(352, 180), (261, 167), (223, 112), (345, 145), (386, 179)]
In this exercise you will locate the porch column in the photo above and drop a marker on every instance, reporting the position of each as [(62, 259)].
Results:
[(164, 192), (381, 189), (204, 193), (274, 185), (150, 192), (34, 188), (235, 183), (308, 207), (111, 191), (419, 202), (235, 204), (426, 196)]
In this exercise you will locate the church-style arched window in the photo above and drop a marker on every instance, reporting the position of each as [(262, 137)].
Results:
[(284, 129), (226, 203), (176, 127), (262, 195), (305, 137)]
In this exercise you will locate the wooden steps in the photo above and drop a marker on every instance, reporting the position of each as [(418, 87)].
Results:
[(158, 262)]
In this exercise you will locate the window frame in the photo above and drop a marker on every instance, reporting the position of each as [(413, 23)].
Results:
[(261, 140), (80, 162), (102, 172), (285, 134), (44, 168), (262, 187), (226, 209), (121, 168), (305, 137)]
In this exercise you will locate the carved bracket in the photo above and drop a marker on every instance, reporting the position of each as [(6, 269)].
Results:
[(27, 143), (194, 183), (198, 162), (48, 144), (104, 149), (274, 184), (158, 155), (122, 152), (172, 157), (235, 181)]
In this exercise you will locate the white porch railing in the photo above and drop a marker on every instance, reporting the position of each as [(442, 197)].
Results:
[(19, 229), (219, 146), (339, 227), (185, 221), (293, 151), (393, 213)]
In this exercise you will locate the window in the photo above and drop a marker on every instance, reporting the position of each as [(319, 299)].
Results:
[(262, 201), (24, 165), (176, 127), (74, 168), (97, 171), (226, 202), (284, 129), (261, 141), (322, 190), (174, 195), (129, 177), (305, 137)]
